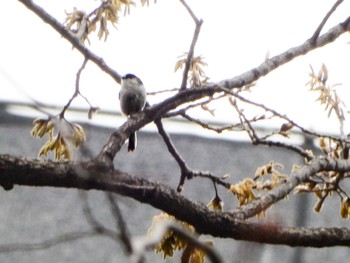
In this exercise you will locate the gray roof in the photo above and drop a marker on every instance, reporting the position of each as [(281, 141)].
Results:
[(33, 214)]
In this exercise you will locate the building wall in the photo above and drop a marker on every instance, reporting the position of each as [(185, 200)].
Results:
[(30, 215)]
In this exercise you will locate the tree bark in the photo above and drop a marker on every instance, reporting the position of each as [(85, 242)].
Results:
[(93, 175)]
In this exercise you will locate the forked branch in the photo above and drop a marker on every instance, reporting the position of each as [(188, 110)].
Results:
[(324, 21)]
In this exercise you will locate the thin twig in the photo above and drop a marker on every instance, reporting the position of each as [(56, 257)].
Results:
[(213, 178), (171, 148), (64, 238), (193, 44), (87, 101), (93, 12), (189, 10), (124, 233), (161, 91), (323, 22), (210, 127), (250, 131), (183, 112), (257, 140), (185, 171), (282, 116), (76, 91), (93, 222), (193, 105)]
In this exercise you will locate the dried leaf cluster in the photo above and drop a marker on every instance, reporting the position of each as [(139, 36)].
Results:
[(325, 184), (192, 254), (266, 177), (327, 92), (107, 13), (68, 135), (197, 77), (216, 203), (170, 242), (243, 191)]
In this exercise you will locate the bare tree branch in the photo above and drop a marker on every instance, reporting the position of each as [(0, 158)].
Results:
[(186, 172), (323, 22), (157, 111), (281, 59), (20, 171), (30, 246), (210, 127), (150, 114), (99, 174), (189, 10), (93, 222), (193, 44), (77, 89), (171, 148), (117, 214), (150, 93), (257, 140)]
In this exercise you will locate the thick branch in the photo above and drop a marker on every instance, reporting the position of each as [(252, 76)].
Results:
[(283, 58), (86, 176)]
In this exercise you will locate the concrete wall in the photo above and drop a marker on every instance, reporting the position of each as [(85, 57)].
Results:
[(30, 215)]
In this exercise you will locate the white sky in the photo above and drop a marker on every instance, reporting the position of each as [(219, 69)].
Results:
[(235, 37)]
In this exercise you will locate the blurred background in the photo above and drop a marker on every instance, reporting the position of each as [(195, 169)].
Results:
[(38, 65)]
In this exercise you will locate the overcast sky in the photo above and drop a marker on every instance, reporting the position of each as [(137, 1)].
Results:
[(235, 37)]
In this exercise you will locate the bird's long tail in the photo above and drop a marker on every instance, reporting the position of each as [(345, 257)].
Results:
[(132, 142)]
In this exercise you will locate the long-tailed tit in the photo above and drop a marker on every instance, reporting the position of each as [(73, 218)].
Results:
[(132, 98)]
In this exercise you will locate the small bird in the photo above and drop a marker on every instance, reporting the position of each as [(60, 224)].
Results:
[(132, 97)]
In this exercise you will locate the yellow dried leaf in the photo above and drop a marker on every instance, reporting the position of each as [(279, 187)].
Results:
[(318, 205), (318, 192), (243, 191), (345, 208), (171, 241), (216, 204)]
